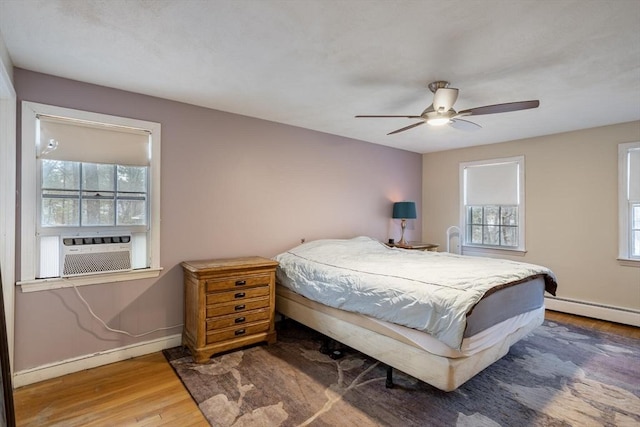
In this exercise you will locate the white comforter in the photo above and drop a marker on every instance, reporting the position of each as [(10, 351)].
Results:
[(428, 291)]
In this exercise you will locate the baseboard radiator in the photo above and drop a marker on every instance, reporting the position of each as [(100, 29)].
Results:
[(594, 310)]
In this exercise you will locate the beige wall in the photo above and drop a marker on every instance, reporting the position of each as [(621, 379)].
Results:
[(571, 208)]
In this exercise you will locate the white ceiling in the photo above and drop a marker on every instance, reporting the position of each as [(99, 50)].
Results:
[(318, 63)]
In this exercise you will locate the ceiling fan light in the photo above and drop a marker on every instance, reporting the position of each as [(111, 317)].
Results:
[(438, 121)]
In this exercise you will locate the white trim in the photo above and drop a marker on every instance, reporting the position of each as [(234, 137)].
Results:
[(596, 311), (8, 198), (485, 250), (77, 364), (28, 203), (94, 279), (629, 262), (154, 209), (623, 202), (29, 252)]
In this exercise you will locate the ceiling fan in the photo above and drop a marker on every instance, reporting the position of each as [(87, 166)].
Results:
[(441, 111)]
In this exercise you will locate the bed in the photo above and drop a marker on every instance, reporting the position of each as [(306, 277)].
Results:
[(438, 317)]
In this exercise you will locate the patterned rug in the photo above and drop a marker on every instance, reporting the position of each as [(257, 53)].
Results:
[(559, 375)]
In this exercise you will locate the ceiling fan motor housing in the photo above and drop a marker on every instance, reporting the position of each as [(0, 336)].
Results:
[(438, 84)]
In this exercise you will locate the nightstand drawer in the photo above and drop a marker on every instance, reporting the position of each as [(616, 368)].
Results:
[(237, 295), (228, 283), (238, 319), (237, 332), (236, 307)]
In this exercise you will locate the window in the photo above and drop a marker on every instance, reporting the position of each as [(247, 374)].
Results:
[(88, 179), (78, 194), (629, 200), (493, 225), (492, 203)]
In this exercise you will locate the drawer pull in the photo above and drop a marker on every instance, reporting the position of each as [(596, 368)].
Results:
[(241, 282), (240, 332), (239, 307), (240, 320), (239, 295)]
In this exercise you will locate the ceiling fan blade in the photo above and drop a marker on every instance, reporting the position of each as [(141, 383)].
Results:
[(444, 98), (406, 128), (464, 125), (381, 117), (500, 108)]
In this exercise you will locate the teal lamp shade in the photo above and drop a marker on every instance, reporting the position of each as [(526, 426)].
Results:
[(404, 210)]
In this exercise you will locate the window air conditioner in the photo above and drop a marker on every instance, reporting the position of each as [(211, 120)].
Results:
[(83, 255)]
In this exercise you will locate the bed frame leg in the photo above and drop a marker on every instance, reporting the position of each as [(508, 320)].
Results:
[(331, 348), (389, 382), (324, 347)]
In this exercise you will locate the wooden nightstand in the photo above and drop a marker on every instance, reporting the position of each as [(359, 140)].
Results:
[(417, 246), (228, 304)]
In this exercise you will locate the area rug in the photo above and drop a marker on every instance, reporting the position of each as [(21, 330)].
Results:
[(559, 375)]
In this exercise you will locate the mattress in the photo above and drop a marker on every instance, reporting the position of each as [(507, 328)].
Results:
[(436, 293), (504, 304)]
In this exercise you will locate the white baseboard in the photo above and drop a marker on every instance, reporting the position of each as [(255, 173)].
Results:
[(63, 367), (596, 311)]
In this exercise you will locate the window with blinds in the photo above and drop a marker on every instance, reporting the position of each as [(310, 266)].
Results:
[(492, 203), (629, 200), (92, 174), (88, 177)]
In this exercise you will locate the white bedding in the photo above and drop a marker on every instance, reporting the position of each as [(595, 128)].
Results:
[(428, 291)]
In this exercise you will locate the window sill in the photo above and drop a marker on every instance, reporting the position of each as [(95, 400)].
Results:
[(478, 251), (94, 279), (629, 262)]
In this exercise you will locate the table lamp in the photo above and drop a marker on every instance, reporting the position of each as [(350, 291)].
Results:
[(404, 211)]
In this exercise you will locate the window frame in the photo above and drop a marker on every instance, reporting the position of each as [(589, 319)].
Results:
[(625, 206), (30, 199), (483, 249)]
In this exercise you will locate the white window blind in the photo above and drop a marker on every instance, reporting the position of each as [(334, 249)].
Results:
[(80, 141), (492, 184)]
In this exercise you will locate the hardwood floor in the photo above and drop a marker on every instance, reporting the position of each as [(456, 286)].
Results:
[(145, 391), (600, 325)]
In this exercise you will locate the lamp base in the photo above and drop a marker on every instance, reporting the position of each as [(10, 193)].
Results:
[(403, 242)]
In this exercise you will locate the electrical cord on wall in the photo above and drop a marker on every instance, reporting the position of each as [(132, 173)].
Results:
[(102, 322)]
